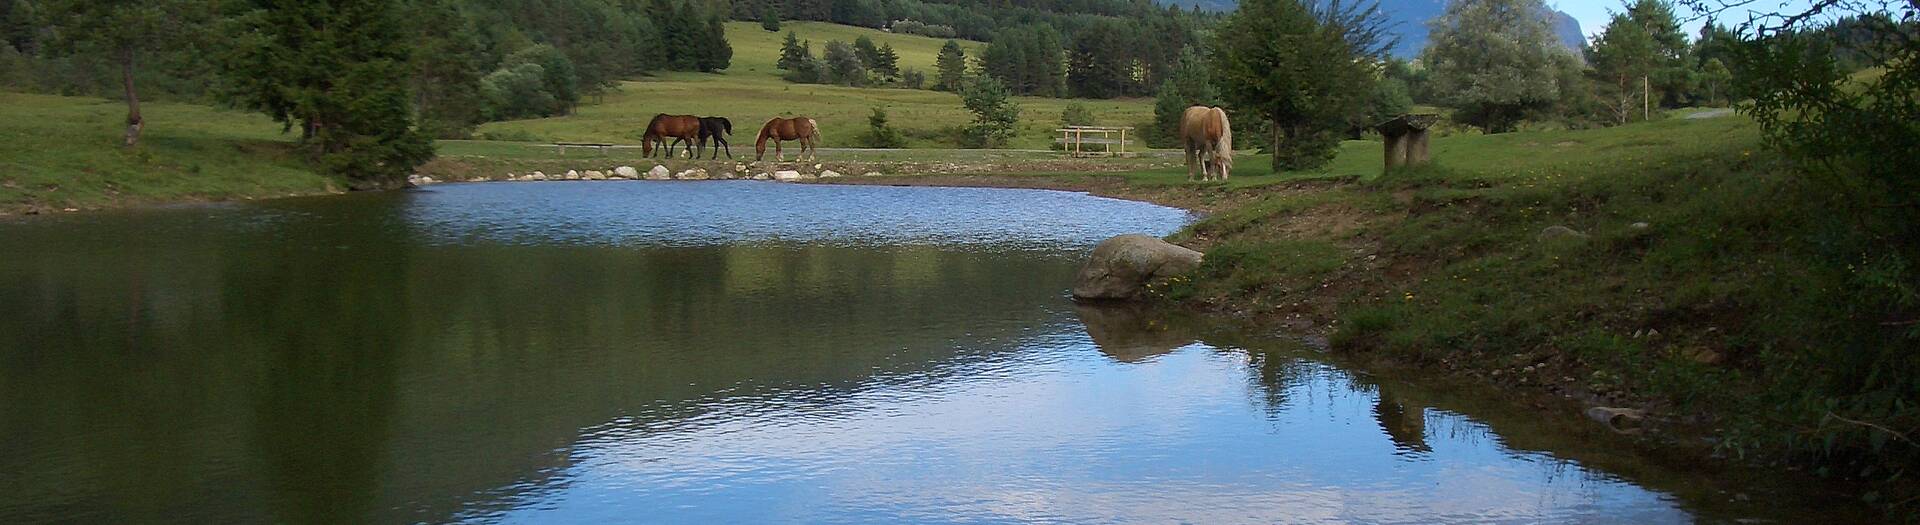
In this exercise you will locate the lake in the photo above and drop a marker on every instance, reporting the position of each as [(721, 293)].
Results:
[(706, 352)]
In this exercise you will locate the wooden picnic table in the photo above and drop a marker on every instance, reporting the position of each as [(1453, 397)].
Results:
[(1076, 138)]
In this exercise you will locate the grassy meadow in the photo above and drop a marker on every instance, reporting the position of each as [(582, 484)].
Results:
[(751, 91), (60, 152)]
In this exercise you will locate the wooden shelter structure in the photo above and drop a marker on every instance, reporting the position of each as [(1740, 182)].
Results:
[(1406, 137), (1076, 140)]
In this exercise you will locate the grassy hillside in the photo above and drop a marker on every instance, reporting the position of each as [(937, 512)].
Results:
[(59, 152), (750, 92)]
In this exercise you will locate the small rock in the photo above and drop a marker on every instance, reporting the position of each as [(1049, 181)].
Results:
[(1560, 233), (538, 175), (1639, 225), (1703, 355), (659, 173), (692, 174), (829, 173), (571, 175), (627, 172), (1618, 419), (582, 176), (739, 167), (762, 176), (816, 167), (596, 175), (871, 174), (786, 175)]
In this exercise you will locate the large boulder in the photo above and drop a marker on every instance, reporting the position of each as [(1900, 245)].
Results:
[(1121, 267), (659, 173), (627, 172)]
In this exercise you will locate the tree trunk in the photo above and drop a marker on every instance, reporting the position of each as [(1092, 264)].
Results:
[(1646, 99), (1278, 136), (134, 120)]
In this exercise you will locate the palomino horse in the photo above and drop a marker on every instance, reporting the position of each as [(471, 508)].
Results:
[(1208, 139), (779, 129), (679, 127), (716, 128)]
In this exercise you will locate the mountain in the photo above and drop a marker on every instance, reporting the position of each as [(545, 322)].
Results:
[(1407, 19)]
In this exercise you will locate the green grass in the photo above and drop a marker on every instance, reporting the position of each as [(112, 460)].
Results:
[(751, 91), (60, 152)]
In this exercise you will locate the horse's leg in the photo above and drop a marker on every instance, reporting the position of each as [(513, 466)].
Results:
[(778, 154), (723, 144), (1188, 146)]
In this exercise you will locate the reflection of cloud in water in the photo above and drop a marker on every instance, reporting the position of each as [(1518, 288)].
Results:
[(1060, 433)]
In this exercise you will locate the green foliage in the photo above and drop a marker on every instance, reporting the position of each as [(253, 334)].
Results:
[(1188, 85), (557, 77), (447, 63), (951, 66), (1029, 59), (1099, 66), (337, 70), (1388, 100), (879, 133), (1076, 114), (770, 20), (995, 112), (912, 79), (1853, 139), (887, 63), (912, 27), (1622, 56), (1297, 67), (1714, 79), (517, 92), (844, 66), (1493, 61), (793, 53)]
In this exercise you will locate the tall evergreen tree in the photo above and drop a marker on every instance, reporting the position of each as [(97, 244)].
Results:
[(770, 19), (336, 69), (1672, 76), (888, 65), (715, 52), (792, 53), (1296, 66), (951, 67), (1623, 57), (1099, 66), (447, 62), (868, 53)]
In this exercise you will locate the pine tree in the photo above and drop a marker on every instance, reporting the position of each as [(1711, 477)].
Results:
[(792, 53), (1623, 57), (995, 114), (868, 53), (1295, 66), (888, 65), (715, 53), (337, 69), (1671, 77), (951, 67), (1099, 66), (447, 64), (770, 19)]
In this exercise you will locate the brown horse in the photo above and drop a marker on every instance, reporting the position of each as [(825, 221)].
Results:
[(802, 129), (681, 128), (1208, 139)]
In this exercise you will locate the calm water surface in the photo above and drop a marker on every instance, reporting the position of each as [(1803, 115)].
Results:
[(713, 352)]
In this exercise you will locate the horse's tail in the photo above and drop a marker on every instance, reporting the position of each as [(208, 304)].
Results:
[(727, 125), (1223, 149), (815, 126)]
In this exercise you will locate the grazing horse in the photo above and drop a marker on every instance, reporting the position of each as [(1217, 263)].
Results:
[(802, 129), (1208, 139), (716, 128), (682, 128)]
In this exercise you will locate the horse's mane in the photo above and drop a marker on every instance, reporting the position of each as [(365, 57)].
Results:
[(651, 123), (1223, 150)]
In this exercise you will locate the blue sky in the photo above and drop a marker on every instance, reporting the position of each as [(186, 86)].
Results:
[(1593, 14)]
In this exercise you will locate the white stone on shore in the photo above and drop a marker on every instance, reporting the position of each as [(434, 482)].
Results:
[(596, 175), (829, 173), (786, 175), (627, 172), (659, 173)]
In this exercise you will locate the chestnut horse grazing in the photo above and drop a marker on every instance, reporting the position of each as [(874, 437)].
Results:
[(779, 129), (678, 127), (1208, 139)]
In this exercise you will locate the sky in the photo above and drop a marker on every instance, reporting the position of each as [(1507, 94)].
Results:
[(1594, 14)]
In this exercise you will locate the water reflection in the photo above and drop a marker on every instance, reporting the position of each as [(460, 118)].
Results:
[(590, 352)]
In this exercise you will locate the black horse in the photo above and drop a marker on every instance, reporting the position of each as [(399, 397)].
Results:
[(716, 128)]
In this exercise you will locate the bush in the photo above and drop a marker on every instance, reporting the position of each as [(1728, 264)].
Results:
[(911, 27), (879, 133), (1076, 114), (913, 79)]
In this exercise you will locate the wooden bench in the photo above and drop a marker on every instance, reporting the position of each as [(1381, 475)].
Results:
[(601, 145), (1077, 138)]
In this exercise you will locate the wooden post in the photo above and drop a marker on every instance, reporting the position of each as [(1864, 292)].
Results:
[(1123, 142), (563, 149)]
